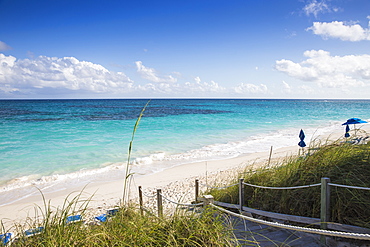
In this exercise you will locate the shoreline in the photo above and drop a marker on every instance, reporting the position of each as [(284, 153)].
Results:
[(175, 182)]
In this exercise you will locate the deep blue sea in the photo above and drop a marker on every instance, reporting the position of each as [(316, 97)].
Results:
[(48, 140)]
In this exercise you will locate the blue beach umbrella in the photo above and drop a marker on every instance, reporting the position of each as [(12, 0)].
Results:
[(353, 121), (301, 137), (347, 130)]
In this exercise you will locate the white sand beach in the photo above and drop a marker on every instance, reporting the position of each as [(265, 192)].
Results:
[(176, 183)]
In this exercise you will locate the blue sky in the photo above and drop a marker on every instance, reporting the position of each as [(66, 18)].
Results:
[(185, 49)]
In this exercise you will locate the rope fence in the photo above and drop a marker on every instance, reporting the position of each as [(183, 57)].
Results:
[(283, 188), (181, 204), (207, 200), (324, 215), (147, 195), (272, 188), (159, 195), (349, 187)]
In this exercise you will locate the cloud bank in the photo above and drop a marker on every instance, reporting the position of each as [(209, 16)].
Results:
[(329, 71), (340, 30), (203, 88), (68, 73), (69, 77)]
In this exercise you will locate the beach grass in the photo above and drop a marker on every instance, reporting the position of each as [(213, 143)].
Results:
[(128, 227), (128, 174), (343, 162)]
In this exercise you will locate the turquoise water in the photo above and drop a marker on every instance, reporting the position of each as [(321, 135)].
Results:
[(44, 140)]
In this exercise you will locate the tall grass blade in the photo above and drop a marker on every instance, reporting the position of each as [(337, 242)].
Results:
[(127, 172)]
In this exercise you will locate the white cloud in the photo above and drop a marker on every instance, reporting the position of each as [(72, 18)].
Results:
[(247, 88), (150, 74), (197, 80), (25, 75), (197, 88), (4, 47), (340, 30), (203, 87), (329, 71), (46, 76), (315, 7)]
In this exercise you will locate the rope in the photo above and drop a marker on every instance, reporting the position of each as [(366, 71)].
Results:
[(264, 187), (288, 188), (298, 228), (350, 187), (283, 188), (152, 196), (182, 204)]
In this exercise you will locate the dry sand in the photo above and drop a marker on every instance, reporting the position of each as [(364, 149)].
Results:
[(177, 184)]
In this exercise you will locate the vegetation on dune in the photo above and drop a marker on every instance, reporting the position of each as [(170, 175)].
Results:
[(129, 228), (344, 163)]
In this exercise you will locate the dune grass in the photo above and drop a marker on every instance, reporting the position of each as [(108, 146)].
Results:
[(344, 163), (128, 174), (130, 228)]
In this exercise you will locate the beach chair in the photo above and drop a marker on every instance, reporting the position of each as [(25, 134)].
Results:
[(104, 217), (6, 239), (112, 212), (32, 232), (357, 140), (74, 219), (101, 218), (365, 139)]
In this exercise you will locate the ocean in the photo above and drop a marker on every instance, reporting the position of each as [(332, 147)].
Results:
[(48, 141)]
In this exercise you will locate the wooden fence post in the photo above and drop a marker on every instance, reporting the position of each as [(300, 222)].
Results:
[(325, 206), (196, 190), (141, 200), (159, 203), (241, 193)]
